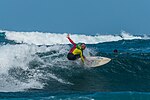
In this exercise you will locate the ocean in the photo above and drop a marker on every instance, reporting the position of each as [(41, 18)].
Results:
[(34, 67)]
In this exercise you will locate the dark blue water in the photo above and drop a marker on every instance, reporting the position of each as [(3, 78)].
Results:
[(42, 72)]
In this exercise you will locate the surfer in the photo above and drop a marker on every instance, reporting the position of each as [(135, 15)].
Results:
[(115, 51), (76, 51)]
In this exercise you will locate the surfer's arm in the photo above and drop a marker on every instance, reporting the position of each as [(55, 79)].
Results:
[(82, 57), (70, 39)]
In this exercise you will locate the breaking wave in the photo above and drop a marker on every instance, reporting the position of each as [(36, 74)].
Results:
[(40, 38)]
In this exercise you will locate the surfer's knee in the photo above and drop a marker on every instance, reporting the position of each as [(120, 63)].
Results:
[(70, 56)]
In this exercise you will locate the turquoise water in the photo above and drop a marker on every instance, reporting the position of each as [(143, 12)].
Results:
[(76, 96)]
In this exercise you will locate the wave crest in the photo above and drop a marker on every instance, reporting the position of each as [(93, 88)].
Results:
[(40, 38)]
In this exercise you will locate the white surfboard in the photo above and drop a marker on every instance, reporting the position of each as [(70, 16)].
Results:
[(96, 61)]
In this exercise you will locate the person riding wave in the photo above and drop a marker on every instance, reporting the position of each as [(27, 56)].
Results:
[(76, 51)]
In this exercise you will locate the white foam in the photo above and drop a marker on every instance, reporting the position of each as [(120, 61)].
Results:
[(9, 84), (19, 56), (40, 38), (58, 79), (127, 36)]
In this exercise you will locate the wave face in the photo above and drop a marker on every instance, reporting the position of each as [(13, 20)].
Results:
[(37, 61)]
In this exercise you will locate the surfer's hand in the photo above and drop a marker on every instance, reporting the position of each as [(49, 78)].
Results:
[(68, 36)]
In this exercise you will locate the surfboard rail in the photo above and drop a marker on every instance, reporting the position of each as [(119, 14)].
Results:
[(96, 61)]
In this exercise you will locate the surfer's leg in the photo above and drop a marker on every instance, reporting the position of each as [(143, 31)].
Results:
[(77, 56), (71, 56)]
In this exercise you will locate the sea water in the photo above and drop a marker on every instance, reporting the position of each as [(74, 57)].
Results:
[(34, 67)]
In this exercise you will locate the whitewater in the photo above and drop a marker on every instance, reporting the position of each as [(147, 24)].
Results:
[(40, 38)]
